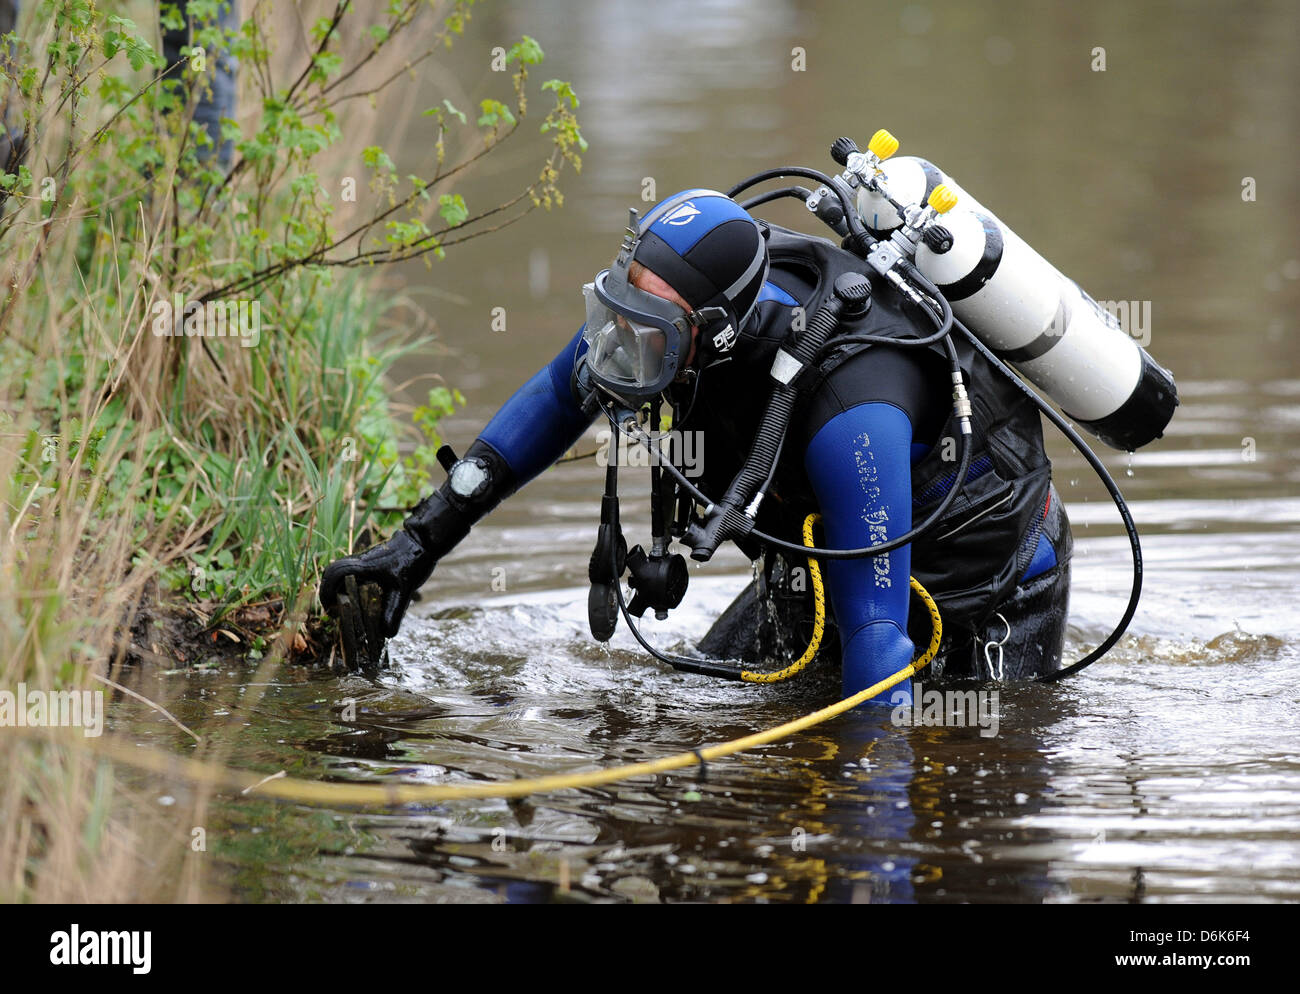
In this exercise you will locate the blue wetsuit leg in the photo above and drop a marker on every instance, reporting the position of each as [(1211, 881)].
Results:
[(542, 420), (859, 464)]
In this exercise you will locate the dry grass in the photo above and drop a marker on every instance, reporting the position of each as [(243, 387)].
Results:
[(126, 459)]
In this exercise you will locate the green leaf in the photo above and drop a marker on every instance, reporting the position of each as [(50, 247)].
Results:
[(420, 186), (458, 113), (563, 91), (405, 233), (526, 50), (494, 112), (328, 63), (452, 208), (321, 29), (376, 158)]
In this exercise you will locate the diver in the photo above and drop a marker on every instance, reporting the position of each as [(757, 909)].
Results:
[(692, 312)]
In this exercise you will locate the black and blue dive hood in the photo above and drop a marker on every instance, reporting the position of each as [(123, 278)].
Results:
[(707, 248)]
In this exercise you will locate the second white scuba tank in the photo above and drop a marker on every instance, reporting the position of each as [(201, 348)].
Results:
[(1019, 304)]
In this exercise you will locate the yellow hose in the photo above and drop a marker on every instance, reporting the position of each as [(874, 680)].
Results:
[(819, 618), (347, 794)]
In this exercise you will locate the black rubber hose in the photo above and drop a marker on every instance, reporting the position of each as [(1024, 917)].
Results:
[(777, 416), (728, 519), (798, 192), (766, 442), (944, 318), (771, 473), (1099, 468), (856, 226)]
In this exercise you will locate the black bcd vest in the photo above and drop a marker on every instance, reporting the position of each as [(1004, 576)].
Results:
[(971, 560)]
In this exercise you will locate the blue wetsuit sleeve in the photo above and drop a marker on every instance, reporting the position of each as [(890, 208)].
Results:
[(542, 419), (859, 464)]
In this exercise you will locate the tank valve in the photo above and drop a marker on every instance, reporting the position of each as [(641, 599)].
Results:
[(882, 145), (863, 168), (942, 198), (937, 238), (842, 148)]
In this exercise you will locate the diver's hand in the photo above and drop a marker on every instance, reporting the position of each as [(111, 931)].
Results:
[(398, 567), (371, 592)]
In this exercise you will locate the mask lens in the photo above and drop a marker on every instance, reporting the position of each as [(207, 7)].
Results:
[(622, 350), (626, 352)]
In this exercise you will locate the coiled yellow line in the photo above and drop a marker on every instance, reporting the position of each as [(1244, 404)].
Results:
[(819, 618), (388, 795)]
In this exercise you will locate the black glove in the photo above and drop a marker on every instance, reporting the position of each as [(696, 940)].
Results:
[(399, 567), (370, 592)]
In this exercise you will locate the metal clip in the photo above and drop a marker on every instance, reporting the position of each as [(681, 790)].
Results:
[(996, 671)]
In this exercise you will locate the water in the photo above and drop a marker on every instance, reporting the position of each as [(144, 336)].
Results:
[(1169, 771)]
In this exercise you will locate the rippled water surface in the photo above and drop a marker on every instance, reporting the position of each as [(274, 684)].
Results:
[(1169, 771)]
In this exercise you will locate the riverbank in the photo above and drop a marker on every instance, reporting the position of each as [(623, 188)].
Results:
[(198, 407)]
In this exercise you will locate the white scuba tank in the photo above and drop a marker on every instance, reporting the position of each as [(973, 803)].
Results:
[(1027, 311)]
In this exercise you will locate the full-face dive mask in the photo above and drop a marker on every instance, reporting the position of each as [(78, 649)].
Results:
[(708, 249), (637, 341)]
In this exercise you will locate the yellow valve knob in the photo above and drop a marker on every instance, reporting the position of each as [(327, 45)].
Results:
[(882, 144), (942, 199)]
